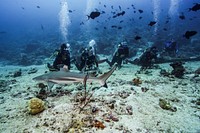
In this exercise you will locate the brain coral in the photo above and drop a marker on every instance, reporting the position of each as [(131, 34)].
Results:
[(35, 106)]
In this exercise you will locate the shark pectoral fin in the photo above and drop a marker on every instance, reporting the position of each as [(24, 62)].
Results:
[(50, 85)]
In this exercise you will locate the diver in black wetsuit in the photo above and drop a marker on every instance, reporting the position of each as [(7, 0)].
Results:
[(87, 60), (147, 59), (62, 58), (121, 54)]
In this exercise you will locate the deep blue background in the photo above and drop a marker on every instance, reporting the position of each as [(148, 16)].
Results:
[(22, 24)]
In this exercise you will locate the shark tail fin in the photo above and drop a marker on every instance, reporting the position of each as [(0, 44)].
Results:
[(105, 76)]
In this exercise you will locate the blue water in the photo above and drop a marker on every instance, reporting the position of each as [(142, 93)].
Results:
[(33, 29)]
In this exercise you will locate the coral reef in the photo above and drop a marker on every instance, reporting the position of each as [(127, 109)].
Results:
[(197, 101), (129, 109), (137, 81), (17, 73), (80, 122), (164, 73), (166, 105), (124, 94), (108, 117), (42, 86), (42, 94), (197, 71), (76, 126), (35, 106), (178, 69), (144, 89), (99, 124), (5, 85)]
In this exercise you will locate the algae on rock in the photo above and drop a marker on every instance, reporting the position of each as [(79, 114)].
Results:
[(166, 105)]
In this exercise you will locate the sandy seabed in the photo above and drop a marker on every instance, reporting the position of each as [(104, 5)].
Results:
[(121, 108)]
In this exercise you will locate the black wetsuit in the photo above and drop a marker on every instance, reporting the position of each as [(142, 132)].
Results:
[(86, 61), (63, 58), (146, 60), (91, 62), (121, 54)]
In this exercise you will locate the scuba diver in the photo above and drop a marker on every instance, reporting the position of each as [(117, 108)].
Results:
[(87, 60), (147, 59), (62, 58), (121, 53), (170, 49)]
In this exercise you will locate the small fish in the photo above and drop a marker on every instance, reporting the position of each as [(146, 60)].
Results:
[(70, 11), (165, 29), (38, 6), (104, 6), (152, 23), (22, 8), (166, 21), (103, 12), (93, 15), (114, 26), (121, 21), (112, 7), (188, 34), (134, 11), (140, 11), (195, 8), (113, 13), (81, 23), (119, 14), (120, 8), (122, 13), (140, 17), (182, 16), (105, 28), (119, 27), (137, 38), (133, 6)]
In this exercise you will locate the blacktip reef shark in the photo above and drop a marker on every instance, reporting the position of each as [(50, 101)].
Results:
[(67, 77)]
